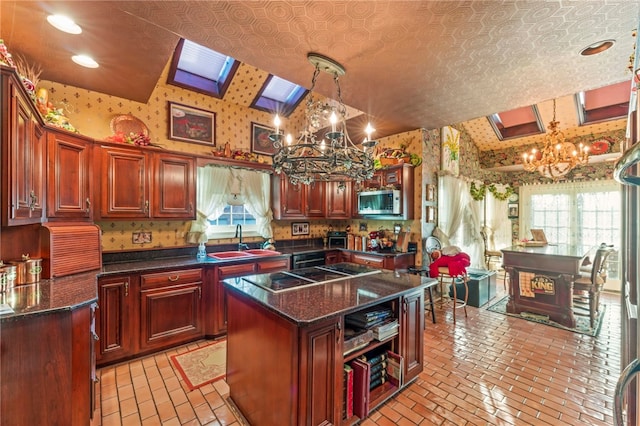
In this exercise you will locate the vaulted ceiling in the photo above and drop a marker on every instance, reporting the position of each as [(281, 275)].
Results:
[(410, 64)]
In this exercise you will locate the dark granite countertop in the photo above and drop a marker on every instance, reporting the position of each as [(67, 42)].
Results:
[(46, 296), (308, 304)]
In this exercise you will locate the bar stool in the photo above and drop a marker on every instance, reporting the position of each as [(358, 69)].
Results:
[(444, 274), (429, 289)]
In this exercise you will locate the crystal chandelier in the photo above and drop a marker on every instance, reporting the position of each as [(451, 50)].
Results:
[(332, 158), (558, 157)]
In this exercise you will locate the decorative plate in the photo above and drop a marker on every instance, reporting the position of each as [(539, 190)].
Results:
[(599, 147), (127, 123)]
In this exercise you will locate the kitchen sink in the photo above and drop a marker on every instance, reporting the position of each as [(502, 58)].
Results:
[(230, 254), (262, 252), (234, 254)]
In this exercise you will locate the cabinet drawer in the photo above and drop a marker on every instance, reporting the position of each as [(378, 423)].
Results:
[(271, 265), (236, 270), (363, 259), (178, 277)]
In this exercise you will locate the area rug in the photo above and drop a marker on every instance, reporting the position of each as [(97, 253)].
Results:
[(204, 365), (582, 322)]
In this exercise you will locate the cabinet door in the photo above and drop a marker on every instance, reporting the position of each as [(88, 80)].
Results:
[(170, 315), (316, 205), (338, 200), (321, 386), (26, 160), (412, 326), (174, 188), (332, 257), (392, 177), (115, 321), (125, 183), (369, 260), (69, 184), (293, 199)]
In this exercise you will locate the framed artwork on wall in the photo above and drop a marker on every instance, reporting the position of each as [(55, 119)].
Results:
[(430, 192), (513, 211), (430, 214), (260, 142), (189, 124), (450, 150), (300, 228)]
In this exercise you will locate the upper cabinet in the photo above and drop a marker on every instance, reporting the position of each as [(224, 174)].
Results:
[(23, 154), (397, 176), (138, 183), (297, 201), (69, 176), (338, 200)]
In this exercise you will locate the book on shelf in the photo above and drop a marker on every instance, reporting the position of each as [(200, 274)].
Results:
[(378, 381), (395, 366), (388, 325), (347, 411), (374, 357), (378, 367), (382, 335), (368, 319), (361, 381)]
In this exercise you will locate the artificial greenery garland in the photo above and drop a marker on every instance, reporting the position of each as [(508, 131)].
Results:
[(478, 193)]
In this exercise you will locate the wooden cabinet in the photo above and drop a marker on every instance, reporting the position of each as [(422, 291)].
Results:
[(69, 175), (23, 155), (398, 176), (47, 368), (332, 256), (297, 201), (141, 184), (320, 361), (338, 200), (216, 318), (174, 186), (392, 262), (170, 308), (116, 322), (411, 320)]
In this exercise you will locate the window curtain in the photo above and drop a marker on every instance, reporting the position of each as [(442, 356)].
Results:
[(497, 224), (450, 196), (255, 188), (213, 187)]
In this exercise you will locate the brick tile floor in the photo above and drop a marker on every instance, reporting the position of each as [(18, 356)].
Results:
[(487, 369)]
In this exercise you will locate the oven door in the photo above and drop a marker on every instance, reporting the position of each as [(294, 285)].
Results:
[(306, 260)]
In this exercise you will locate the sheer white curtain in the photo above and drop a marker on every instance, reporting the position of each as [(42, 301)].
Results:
[(450, 208), (255, 188), (498, 224), (213, 187)]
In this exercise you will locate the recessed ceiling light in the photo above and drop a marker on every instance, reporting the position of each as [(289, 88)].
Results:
[(597, 47), (64, 23), (85, 61)]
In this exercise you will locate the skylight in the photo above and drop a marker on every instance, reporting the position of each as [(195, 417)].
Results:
[(201, 69), (516, 123), (603, 104), (279, 96)]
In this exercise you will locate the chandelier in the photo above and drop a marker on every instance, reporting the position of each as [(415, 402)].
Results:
[(558, 157), (332, 157)]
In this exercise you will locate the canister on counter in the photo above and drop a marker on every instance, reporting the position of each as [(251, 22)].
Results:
[(27, 270), (9, 279)]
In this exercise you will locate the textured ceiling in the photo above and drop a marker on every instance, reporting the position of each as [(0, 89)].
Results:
[(410, 64)]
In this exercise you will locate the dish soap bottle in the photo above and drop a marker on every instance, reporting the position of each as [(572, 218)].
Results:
[(202, 252)]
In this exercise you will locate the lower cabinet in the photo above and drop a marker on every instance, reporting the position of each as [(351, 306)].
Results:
[(170, 308), (53, 384), (391, 262), (116, 321)]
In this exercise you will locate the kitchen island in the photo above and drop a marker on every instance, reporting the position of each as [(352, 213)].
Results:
[(541, 280), (286, 352)]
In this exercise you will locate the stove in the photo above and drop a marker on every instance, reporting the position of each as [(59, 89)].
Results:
[(289, 280)]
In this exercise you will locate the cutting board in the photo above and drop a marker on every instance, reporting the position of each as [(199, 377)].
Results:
[(402, 243)]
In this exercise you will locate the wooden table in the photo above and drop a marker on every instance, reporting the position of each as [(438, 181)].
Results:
[(541, 280)]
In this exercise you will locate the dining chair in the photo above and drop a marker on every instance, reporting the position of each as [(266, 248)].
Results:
[(590, 286), (495, 255)]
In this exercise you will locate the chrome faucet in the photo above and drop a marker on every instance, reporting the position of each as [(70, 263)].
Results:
[(241, 245)]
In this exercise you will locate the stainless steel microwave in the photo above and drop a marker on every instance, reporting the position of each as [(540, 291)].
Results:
[(382, 202)]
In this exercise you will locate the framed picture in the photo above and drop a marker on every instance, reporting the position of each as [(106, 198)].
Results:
[(191, 124), (538, 235), (513, 211), (260, 142), (450, 150), (141, 237), (431, 214), (300, 228), (430, 193)]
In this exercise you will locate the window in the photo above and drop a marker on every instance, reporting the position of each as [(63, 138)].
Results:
[(201, 69), (516, 123), (583, 214), (606, 103), (279, 96), (225, 225)]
